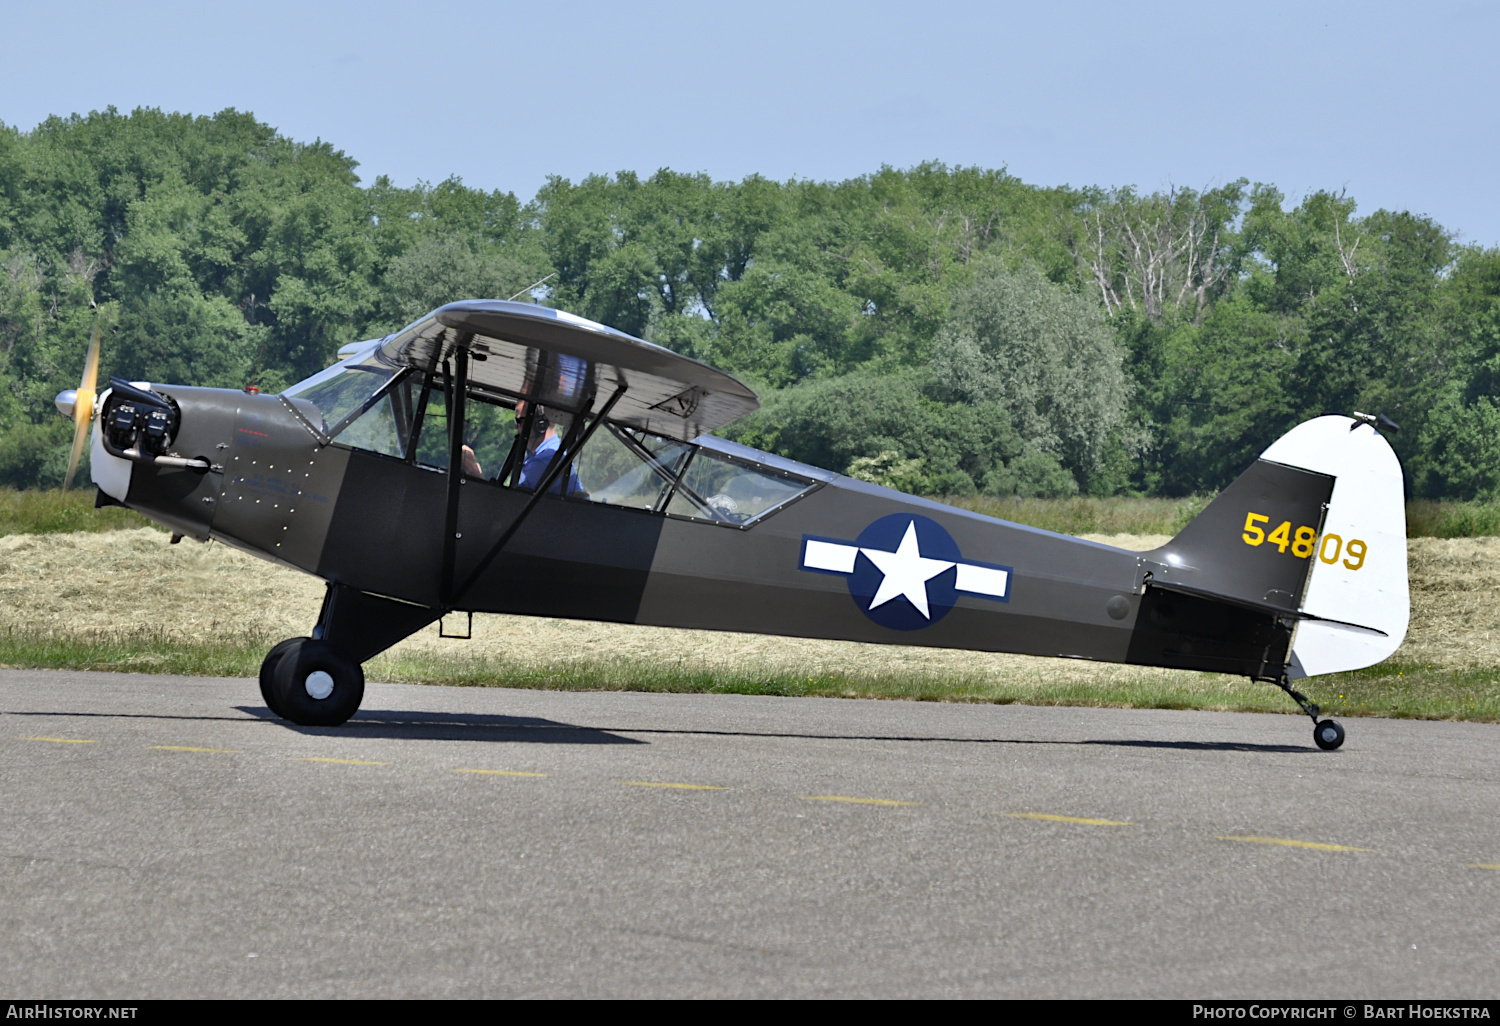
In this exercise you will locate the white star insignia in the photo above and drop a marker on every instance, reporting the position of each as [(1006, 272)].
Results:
[(906, 572)]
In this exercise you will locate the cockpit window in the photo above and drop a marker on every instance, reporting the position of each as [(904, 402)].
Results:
[(615, 466), (730, 492), (623, 467), (342, 391), (489, 432), (378, 429)]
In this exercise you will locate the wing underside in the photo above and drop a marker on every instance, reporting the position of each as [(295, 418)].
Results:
[(534, 352)]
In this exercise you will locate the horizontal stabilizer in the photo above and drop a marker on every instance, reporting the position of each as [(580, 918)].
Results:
[(1263, 607)]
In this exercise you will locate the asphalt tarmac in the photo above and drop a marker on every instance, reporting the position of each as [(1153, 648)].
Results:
[(164, 837)]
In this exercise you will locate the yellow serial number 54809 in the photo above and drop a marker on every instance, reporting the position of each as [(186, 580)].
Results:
[(1301, 541)]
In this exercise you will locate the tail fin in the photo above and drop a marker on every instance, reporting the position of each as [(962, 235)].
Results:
[(1315, 530)]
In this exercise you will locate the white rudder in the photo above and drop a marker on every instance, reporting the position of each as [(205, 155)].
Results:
[(1358, 585)]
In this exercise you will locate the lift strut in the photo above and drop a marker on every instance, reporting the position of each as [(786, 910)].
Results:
[(559, 464)]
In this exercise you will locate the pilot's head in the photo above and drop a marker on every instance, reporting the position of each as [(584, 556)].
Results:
[(543, 421)]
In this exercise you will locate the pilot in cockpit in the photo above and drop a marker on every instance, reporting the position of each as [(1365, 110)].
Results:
[(537, 459)]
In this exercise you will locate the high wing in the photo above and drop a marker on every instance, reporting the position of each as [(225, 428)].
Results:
[(554, 357)]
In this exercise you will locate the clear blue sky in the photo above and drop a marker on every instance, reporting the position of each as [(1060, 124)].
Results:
[(1396, 103)]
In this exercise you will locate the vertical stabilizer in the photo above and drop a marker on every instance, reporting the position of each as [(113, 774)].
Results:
[(1313, 534)]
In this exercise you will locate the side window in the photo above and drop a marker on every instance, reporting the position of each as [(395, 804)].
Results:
[(629, 468), (489, 428), (432, 440), (379, 429), (386, 426), (489, 431), (714, 488), (619, 466)]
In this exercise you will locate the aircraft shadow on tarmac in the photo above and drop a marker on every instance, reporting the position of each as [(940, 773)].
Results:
[(1205, 746), (1190, 746), (428, 726)]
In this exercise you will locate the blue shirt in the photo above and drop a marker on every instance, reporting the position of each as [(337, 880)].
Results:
[(535, 468)]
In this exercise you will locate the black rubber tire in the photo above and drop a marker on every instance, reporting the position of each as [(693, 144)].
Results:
[(304, 657), (268, 669), (1328, 735)]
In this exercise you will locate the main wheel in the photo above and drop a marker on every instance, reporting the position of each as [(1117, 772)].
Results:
[(1328, 735), (316, 684), (267, 675)]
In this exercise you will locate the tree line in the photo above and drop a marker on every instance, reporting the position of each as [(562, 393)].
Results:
[(946, 330)]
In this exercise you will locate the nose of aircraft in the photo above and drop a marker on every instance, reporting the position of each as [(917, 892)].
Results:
[(159, 450)]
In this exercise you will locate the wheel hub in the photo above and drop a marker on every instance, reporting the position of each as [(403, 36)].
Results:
[(319, 684)]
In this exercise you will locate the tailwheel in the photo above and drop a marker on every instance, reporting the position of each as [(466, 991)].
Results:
[(1328, 735), (267, 675), (315, 683)]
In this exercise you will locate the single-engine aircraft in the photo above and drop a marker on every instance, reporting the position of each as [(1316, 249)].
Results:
[(504, 457)]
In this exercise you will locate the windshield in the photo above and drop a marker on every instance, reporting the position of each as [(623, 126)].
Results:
[(342, 391)]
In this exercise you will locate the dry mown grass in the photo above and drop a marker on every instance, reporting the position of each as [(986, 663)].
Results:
[(129, 600)]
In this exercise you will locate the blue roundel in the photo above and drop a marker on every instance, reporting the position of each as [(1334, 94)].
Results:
[(908, 566)]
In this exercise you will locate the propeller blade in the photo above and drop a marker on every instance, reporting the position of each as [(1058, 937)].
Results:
[(80, 435), (83, 406)]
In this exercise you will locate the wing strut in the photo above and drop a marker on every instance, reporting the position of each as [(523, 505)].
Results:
[(559, 464), (420, 414), (517, 455), (457, 402)]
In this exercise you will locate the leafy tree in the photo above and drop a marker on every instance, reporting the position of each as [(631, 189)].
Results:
[(444, 269), (1044, 355), (1216, 394), (1460, 442), (1157, 254), (891, 430), (937, 328), (36, 454)]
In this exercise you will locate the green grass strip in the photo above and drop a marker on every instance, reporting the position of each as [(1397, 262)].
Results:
[(53, 511), (1389, 690)]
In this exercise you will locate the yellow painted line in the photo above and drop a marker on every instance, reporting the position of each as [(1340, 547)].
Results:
[(1482, 865), (1066, 819), (346, 762), (500, 773), (853, 801), (62, 740), (185, 748), (684, 787), (1293, 844)]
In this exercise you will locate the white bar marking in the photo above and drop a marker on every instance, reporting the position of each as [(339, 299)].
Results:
[(981, 580), (820, 555)]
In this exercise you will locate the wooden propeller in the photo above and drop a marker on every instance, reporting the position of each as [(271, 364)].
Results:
[(83, 406)]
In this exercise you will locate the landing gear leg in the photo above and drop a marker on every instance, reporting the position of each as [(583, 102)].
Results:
[(318, 681), (1327, 734)]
